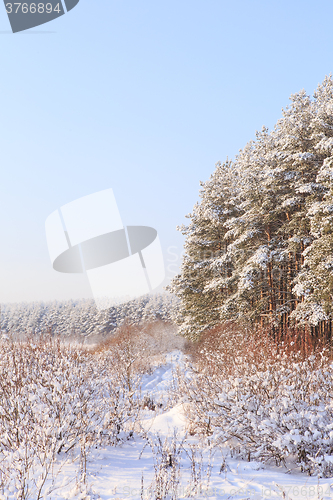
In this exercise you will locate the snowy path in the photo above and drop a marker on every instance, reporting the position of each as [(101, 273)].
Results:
[(116, 473)]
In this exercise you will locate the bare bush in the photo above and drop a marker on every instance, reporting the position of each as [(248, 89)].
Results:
[(267, 398), (56, 399)]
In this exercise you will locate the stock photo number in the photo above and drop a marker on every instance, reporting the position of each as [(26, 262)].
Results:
[(25, 15), (32, 8)]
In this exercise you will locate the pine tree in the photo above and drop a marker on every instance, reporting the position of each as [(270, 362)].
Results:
[(207, 274), (259, 243), (314, 284)]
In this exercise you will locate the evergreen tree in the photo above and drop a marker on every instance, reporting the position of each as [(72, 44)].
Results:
[(314, 284), (259, 243), (207, 273)]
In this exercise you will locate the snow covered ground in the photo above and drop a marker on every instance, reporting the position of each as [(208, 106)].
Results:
[(127, 471), (117, 473)]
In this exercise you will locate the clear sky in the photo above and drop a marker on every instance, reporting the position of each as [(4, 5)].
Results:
[(143, 97)]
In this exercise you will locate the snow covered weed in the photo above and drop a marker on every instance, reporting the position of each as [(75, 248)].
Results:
[(176, 455), (268, 401), (199, 483), (57, 402), (167, 456)]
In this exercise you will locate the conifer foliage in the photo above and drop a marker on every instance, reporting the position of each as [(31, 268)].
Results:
[(259, 244), (81, 318)]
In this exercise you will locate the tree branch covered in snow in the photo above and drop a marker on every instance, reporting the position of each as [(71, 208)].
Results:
[(259, 244)]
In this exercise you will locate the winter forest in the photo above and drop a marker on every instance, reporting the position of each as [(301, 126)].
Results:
[(81, 319), (259, 244), (221, 387)]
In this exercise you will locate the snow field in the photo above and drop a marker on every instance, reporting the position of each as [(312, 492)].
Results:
[(125, 421)]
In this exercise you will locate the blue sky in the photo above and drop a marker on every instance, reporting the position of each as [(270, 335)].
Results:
[(143, 97)]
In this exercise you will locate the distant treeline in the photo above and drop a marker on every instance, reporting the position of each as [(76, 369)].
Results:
[(81, 317)]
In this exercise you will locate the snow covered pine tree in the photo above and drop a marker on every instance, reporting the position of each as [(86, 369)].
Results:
[(259, 244)]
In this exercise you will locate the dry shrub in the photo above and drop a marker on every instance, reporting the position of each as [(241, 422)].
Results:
[(266, 396), (56, 402), (127, 350), (159, 336), (140, 348), (255, 345)]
